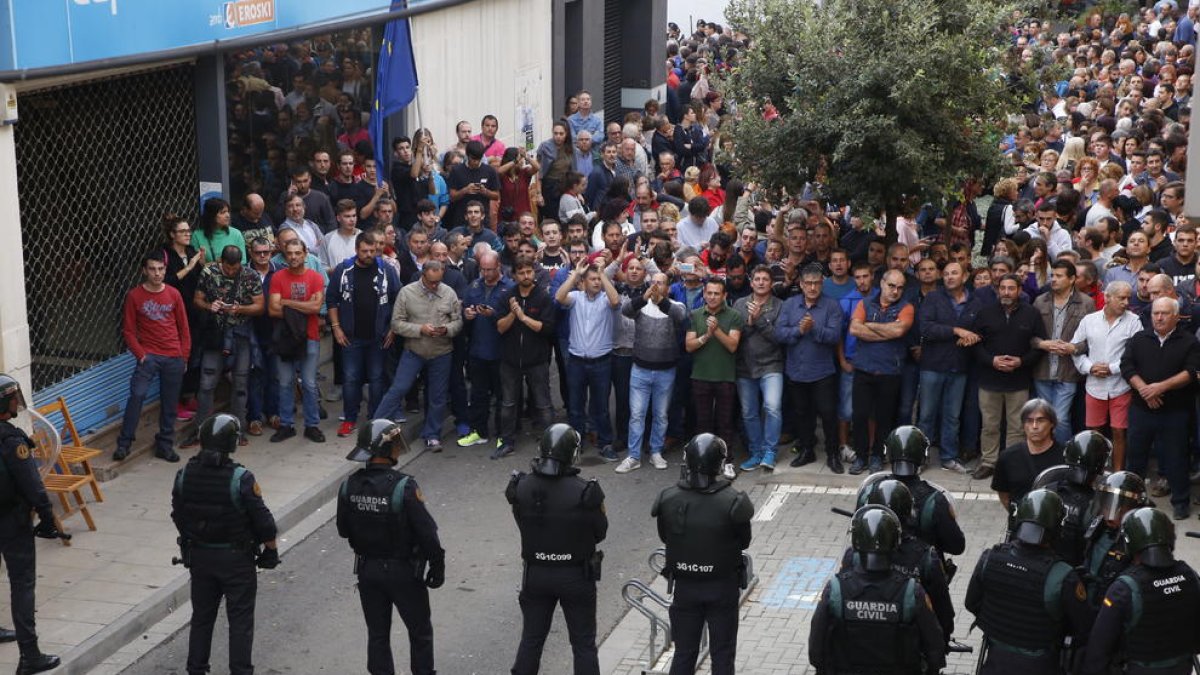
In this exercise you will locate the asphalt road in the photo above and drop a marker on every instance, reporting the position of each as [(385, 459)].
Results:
[(308, 615)]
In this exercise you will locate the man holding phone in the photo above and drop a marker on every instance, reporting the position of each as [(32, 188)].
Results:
[(473, 181)]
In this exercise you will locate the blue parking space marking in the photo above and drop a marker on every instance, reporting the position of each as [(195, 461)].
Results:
[(799, 583)]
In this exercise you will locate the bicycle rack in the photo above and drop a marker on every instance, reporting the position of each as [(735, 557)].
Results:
[(640, 597)]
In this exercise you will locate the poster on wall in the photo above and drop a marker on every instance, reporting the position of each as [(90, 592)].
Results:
[(528, 83)]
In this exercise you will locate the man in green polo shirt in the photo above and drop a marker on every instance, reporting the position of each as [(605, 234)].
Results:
[(712, 339)]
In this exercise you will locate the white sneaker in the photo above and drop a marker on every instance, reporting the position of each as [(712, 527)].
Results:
[(848, 454), (657, 460), (729, 472), (628, 464)]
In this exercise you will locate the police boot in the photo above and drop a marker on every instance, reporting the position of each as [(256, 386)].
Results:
[(34, 661)]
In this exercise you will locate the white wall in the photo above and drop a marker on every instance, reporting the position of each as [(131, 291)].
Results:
[(15, 356), (485, 57)]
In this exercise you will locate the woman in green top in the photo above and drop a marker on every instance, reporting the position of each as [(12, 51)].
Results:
[(215, 233)]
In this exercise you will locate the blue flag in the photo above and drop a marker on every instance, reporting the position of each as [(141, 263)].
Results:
[(395, 84)]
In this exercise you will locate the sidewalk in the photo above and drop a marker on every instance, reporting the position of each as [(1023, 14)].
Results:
[(115, 585), (797, 545)]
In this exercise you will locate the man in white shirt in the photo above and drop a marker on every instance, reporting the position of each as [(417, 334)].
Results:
[(698, 227), (1108, 394), (339, 244), (1046, 227)]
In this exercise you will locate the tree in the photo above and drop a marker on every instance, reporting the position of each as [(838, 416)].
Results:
[(884, 99)]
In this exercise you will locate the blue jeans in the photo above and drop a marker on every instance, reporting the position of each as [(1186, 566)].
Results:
[(845, 395), (285, 374), (1060, 395), (212, 366), (941, 409), (169, 372), (437, 381), (766, 392), (649, 388), (362, 360), (591, 378), (262, 400)]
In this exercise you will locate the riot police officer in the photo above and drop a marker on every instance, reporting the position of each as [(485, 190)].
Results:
[(222, 520), (705, 523), (1105, 557), (561, 518), (1150, 616), (906, 448), (382, 512), (913, 556), (1086, 455), (1024, 597), (21, 491), (872, 617)]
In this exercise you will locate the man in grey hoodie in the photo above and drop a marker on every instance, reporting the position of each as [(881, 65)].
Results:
[(656, 347)]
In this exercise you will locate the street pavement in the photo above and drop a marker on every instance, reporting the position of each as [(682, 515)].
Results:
[(309, 620)]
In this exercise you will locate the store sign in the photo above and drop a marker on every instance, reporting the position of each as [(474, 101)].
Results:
[(42, 33)]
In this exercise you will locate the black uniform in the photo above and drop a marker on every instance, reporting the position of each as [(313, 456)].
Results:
[(561, 518), (1150, 621), (21, 491), (875, 622), (1026, 600), (705, 531), (1104, 560), (936, 522), (918, 560), (219, 511), (1072, 540), (382, 512)]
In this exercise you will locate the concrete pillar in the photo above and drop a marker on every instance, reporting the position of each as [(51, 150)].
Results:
[(15, 356), (212, 151)]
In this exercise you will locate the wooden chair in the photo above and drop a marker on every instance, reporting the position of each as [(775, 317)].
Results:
[(74, 454)]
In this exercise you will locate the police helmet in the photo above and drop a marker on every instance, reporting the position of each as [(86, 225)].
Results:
[(558, 450), (378, 438), (220, 433), (1117, 493), (704, 458), (890, 493), (906, 448), (1150, 534), (875, 536), (1039, 517), (10, 390), (1087, 455)]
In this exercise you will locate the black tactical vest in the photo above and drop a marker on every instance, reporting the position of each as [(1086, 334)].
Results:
[(875, 626), (914, 558), (210, 505), (1106, 560), (699, 533), (1161, 627), (924, 505), (375, 500), (1021, 598), (1071, 542), (555, 525)]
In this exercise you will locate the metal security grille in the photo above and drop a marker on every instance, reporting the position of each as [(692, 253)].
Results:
[(97, 166), (612, 60)]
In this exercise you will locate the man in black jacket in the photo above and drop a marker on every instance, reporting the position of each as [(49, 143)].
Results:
[(527, 326), (1005, 357), (1160, 364)]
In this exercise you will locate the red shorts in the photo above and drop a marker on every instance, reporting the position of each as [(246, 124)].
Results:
[(1114, 411)]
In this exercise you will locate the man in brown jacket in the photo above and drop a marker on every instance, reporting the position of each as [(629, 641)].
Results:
[(1055, 378)]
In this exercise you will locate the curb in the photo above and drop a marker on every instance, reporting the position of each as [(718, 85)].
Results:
[(125, 629)]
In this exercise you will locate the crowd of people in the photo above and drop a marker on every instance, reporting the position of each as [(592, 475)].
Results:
[(630, 255)]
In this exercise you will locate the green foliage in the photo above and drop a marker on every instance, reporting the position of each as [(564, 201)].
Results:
[(897, 97)]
